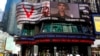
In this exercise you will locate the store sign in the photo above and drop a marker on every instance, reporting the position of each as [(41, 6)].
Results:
[(55, 40), (96, 23), (25, 38), (10, 44), (1, 54), (69, 36), (35, 12), (53, 35)]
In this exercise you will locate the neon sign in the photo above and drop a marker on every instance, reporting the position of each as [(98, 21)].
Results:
[(70, 36), (55, 41)]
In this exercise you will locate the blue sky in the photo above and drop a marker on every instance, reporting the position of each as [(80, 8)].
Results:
[(2, 7)]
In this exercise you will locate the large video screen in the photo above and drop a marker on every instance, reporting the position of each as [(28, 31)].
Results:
[(35, 12), (63, 10), (85, 12)]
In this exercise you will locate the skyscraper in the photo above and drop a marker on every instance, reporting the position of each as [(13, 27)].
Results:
[(9, 18)]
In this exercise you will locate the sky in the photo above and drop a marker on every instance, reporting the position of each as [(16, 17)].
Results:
[(2, 7)]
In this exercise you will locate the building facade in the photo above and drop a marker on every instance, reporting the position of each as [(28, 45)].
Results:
[(96, 51), (9, 17), (45, 31)]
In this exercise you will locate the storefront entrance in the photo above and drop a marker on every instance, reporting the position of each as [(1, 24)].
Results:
[(62, 49)]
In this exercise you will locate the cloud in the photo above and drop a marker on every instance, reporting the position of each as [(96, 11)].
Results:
[(2, 4), (2, 7)]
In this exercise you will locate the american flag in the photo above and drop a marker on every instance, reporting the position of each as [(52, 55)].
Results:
[(30, 11)]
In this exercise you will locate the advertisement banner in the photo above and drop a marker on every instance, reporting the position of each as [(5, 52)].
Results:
[(10, 44), (85, 12), (28, 12), (64, 11), (96, 21), (35, 12)]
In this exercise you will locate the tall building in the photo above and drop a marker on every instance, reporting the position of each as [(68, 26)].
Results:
[(56, 27), (1, 28), (9, 18)]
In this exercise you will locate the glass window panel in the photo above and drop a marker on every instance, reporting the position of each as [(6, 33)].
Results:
[(65, 28), (93, 5), (46, 28), (57, 28), (61, 27), (79, 29), (28, 30), (24, 32), (85, 29), (69, 28), (74, 29)]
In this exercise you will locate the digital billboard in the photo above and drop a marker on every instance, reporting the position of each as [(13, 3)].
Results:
[(96, 21), (35, 12), (85, 12), (64, 11), (32, 12)]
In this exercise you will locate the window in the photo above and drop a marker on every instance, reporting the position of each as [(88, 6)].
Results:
[(28, 30), (79, 28), (65, 28), (56, 28), (69, 28), (98, 4), (74, 29), (85, 29), (47, 28)]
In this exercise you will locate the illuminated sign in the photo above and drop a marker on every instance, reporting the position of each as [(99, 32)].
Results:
[(63, 10), (1, 54), (85, 11), (55, 41), (68, 36), (35, 12), (56, 35), (96, 21)]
